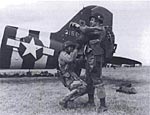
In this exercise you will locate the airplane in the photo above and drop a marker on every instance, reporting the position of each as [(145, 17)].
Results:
[(32, 49)]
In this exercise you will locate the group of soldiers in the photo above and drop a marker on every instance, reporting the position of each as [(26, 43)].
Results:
[(90, 38)]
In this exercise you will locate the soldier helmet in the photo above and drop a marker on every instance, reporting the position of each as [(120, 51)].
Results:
[(98, 17), (68, 43)]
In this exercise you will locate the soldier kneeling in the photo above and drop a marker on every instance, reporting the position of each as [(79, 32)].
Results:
[(70, 79)]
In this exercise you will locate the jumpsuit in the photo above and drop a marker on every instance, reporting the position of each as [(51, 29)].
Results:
[(94, 59), (70, 80)]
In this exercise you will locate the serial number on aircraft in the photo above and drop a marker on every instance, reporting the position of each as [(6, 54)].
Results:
[(71, 33)]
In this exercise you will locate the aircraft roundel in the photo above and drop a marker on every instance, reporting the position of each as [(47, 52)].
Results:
[(30, 48)]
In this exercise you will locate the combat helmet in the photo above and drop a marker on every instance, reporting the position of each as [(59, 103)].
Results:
[(68, 43)]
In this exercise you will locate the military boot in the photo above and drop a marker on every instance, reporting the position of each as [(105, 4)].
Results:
[(70, 97), (63, 103), (90, 102), (102, 107)]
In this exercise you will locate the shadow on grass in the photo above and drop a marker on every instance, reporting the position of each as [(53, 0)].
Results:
[(108, 80)]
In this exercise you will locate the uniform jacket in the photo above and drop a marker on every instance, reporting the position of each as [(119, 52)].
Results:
[(65, 60), (94, 36)]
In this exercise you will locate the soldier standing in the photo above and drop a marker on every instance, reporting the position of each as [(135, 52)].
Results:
[(70, 79), (92, 37)]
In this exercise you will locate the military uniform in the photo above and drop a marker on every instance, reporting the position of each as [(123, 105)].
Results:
[(94, 59), (92, 36), (76, 86)]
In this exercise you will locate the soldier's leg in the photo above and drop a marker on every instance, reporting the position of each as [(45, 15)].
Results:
[(77, 88), (81, 90), (67, 98), (97, 79), (67, 81), (79, 85), (90, 91), (73, 94), (90, 87)]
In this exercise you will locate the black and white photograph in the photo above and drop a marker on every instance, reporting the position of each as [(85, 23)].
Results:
[(77, 57)]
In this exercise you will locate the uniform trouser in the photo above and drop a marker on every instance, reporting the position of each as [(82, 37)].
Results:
[(76, 86), (94, 75)]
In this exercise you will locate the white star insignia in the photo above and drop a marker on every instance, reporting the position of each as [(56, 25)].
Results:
[(31, 48)]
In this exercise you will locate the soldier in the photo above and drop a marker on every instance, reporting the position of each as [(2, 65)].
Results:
[(92, 37), (70, 79)]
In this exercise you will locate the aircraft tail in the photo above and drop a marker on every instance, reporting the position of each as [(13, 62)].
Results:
[(65, 33), (16, 43)]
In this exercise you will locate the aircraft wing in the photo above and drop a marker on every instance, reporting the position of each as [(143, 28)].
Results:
[(122, 60)]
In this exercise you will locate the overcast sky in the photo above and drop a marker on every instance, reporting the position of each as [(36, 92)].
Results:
[(131, 21)]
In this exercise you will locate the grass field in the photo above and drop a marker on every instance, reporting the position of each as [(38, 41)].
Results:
[(40, 96)]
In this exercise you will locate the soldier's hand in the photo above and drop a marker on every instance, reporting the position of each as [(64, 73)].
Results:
[(74, 25)]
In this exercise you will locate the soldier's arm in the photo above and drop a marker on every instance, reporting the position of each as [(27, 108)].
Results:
[(84, 29), (87, 29), (69, 57), (96, 32)]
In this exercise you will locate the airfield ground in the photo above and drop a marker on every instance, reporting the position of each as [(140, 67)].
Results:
[(40, 95)]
